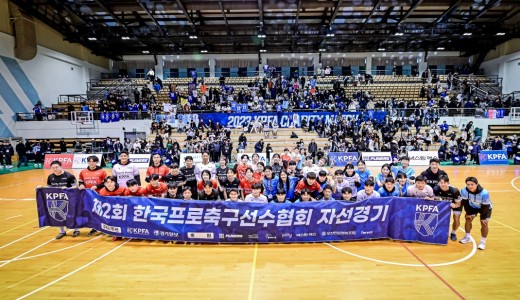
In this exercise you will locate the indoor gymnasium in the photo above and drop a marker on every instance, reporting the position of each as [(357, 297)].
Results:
[(295, 149)]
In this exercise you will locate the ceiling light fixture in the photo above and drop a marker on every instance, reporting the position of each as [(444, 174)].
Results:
[(92, 39), (381, 49), (193, 36), (146, 51), (399, 34), (440, 48), (467, 33), (263, 50), (501, 33), (203, 51), (125, 37), (323, 49)]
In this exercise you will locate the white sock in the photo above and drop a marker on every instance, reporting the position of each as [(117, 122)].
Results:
[(483, 240), (454, 231), (467, 236)]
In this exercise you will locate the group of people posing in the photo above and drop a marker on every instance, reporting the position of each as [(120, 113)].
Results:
[(279, 182)]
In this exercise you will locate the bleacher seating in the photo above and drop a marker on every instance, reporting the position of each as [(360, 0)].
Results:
[(503, 130)]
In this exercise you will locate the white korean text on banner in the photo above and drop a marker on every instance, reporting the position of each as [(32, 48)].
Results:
[(421, 158), (405, 219)]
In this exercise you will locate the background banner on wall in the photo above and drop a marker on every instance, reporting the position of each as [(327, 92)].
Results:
[(197, 158), (284, 119), (66, 160), (421, 158), (406, 219), (376, 159), (142, 161), (80, 160), (262, 156), (341, 159), (493, 157)]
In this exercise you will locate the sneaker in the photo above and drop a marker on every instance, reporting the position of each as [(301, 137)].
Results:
[(482, 246), (60, 235), (92, 232), (116, 238), (465, 240), (75, 233), (453, 237)]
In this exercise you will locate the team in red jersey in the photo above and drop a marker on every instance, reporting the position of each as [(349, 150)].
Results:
[(93, 176), (156, 188), (309, 183), (158, 168), (134, 189), (112, 188)]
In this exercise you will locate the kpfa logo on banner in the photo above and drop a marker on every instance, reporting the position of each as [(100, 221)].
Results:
[(493, 157), (426, 219), (57, 205), (80, 160), (341, 159)]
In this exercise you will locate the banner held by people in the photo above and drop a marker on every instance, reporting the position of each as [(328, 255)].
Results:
[(406, 219)]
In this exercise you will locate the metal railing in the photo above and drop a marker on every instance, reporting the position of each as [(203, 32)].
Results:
[(120, 85), (72, 98)]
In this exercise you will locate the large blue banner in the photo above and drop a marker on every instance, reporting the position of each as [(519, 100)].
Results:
[(493, 157), (406, 219), (341, 159)]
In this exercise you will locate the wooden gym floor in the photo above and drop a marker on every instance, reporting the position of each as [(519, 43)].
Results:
[(35, 265)]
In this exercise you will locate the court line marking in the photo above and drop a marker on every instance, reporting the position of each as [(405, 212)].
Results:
[(13, 217), (432, 271), (23, 237), (54, 251), (19, 199), (1, 233), (253, 271), (505, 225), (513, 183), (50, 268), (473, 251), (73, 272), (4, 187), (28, 251)]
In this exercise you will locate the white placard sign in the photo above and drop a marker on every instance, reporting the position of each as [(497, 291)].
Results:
[(376, 159), (80, 160), (421, 158)]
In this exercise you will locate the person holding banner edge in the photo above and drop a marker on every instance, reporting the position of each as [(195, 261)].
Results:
[(92, 178), (60, 178)]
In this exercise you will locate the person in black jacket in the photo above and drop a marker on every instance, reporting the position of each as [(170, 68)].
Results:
[(433, 173), (496, 144), (22, 153)]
